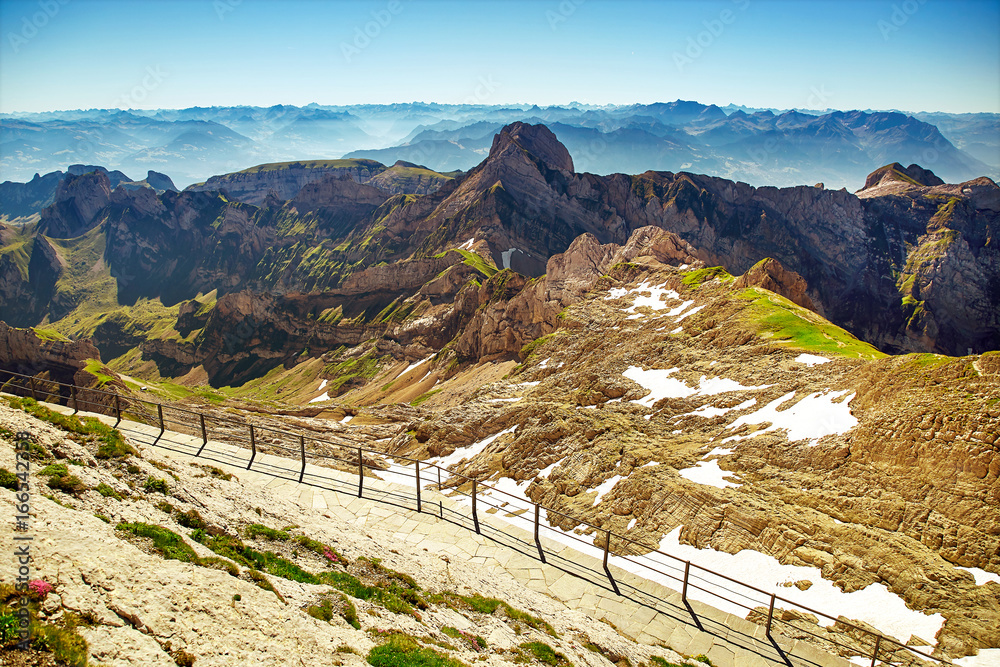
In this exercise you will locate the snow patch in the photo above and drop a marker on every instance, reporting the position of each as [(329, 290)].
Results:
[(982, 576), (347, 419), (987, 657), (468, 244), (325, 396), (690, 313), (631, 524), (708, 473), (604, 487), (812, 418), (810, 359), (659, 384), (506, 254), (414, 365)]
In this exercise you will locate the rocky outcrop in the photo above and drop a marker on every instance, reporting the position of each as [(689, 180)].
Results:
[(46, 355), (771, 275), (349, 197), (408, 178), (159, 181), (252, 186), (76, 202), (897, 173)]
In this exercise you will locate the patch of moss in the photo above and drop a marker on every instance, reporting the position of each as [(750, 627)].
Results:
[(423, 398), (546, 654), (778, 319), (400, 650), (698, 276)]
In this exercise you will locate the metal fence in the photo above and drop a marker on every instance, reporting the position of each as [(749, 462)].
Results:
[(765, 609)]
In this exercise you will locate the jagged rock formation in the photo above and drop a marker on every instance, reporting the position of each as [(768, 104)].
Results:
[(769, 274), (524, 204)]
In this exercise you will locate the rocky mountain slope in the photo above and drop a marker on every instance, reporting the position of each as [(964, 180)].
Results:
[(656, 394), (199, 568), (910, 268)]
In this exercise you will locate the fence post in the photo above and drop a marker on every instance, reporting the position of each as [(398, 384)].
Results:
[(159, 412), (72, 393), (475, 516), (204, 435), (418, 484), (770, 615), (878, 642), (684, 589), (439, 478), (538, 543), (302, 446), (607, 570), (253, 447), (361, 473), (118, 409), (33, 395)]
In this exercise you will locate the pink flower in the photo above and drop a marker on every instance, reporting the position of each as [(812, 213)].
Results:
[(40, 588)]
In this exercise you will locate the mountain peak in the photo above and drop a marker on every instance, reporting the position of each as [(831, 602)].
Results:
[(537, 140), (895, 172)]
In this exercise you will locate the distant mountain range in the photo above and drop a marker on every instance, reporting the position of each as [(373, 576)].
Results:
[(755, 146)]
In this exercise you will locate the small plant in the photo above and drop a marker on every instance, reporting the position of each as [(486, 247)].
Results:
[(154, 485), (39, 588), (218, 473), (478, 643), (66, 483), (103, 518), (403, 651), (182, 658), (108, 491), (8, 480), (255, 530), (237, 597), (262, 582), (66, 645), (133, 469), (192, 519), (8, 628), (165, 507), (545, 653), (703, 659)]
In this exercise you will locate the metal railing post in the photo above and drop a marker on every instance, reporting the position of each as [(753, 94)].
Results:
[(770, 615), (159, 412), (538, 542), (418, 484), (118, 409), (439, 478), (253, 447), (361, 473), (684, 589), (607, 570), (475, 516), (878, 642), (204, 435), (34, 396), (302, 446)]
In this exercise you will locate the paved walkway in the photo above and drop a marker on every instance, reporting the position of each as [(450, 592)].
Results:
[(645, 610)]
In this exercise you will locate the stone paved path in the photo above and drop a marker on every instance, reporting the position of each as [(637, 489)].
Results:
[(645, 610)]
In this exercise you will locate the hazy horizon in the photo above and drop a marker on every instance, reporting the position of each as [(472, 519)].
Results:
[(908, 55)]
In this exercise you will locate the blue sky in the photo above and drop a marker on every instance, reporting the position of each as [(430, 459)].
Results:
[(914, 55)]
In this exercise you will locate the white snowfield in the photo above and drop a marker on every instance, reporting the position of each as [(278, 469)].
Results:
[(981, 576), (987, 657), (506, 255), (468, 244), (709, 473), (810, 359), (661, 385), (817, 415)]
